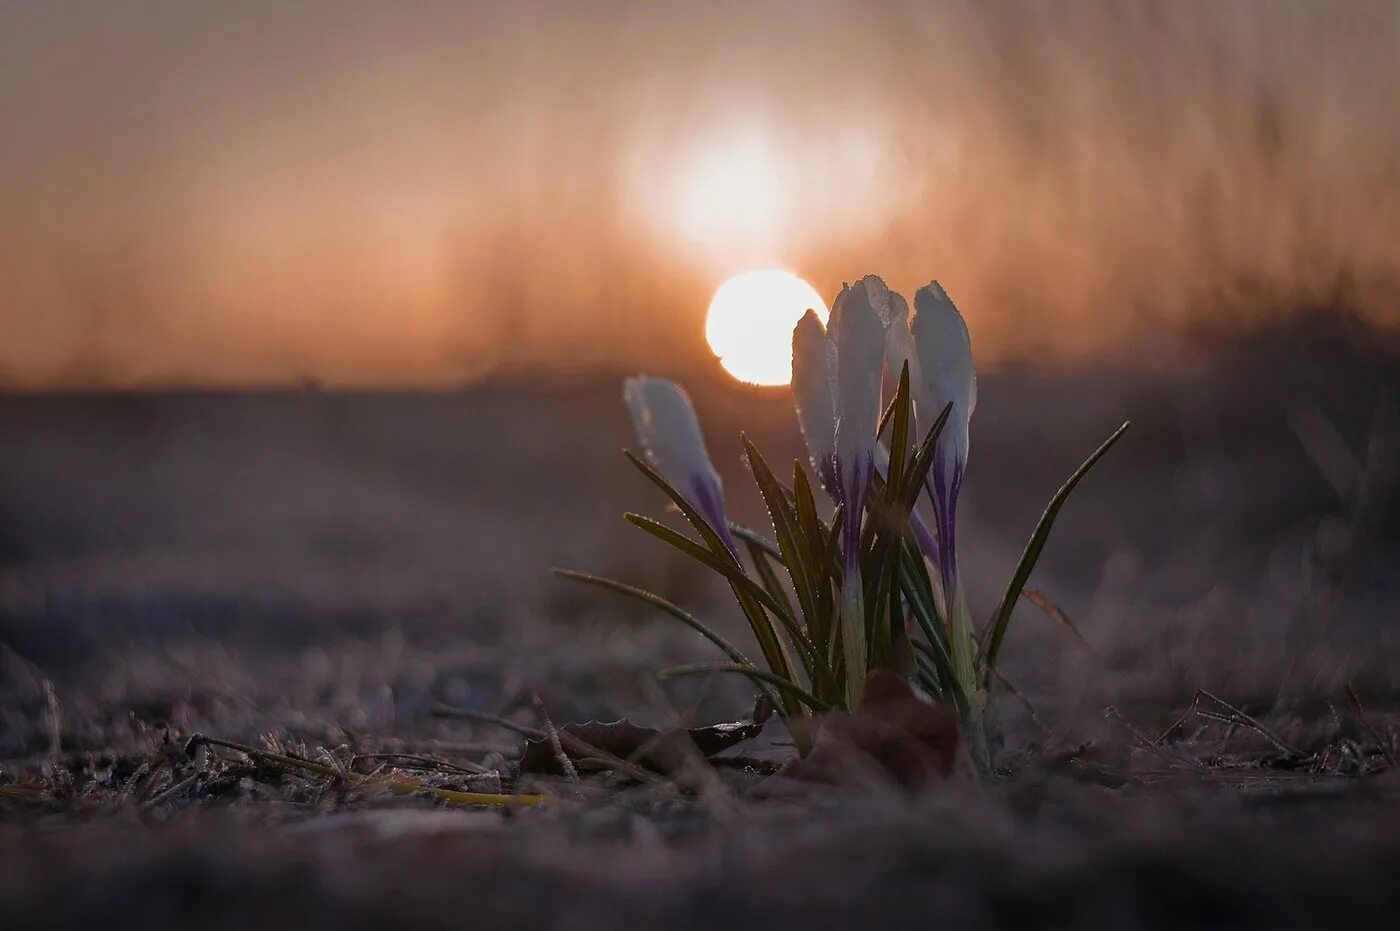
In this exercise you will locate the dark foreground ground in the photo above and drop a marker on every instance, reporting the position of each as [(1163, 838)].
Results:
[(324, 573)]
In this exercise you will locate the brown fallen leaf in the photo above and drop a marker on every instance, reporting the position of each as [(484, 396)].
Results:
[(894, 737), (660, 751)]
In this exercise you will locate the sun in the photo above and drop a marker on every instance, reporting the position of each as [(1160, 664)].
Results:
[(750, 321)]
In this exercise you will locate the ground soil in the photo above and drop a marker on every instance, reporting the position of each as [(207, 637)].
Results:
[(323, 575)]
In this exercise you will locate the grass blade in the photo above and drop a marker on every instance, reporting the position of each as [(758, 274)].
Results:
[(899, 437), (758, 675), (888, 413), (1055, 613), (901, 643), (927, 669), (661, 604), (833, 544), (763, 543), (923, 459), (785, 528), (807, 652), (730, 570), (750, 595), (697, 520), (991, 644), (811, 529), (766, 575), (918, 593)]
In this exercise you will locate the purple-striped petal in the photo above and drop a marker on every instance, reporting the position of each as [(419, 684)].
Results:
[(670, 436)]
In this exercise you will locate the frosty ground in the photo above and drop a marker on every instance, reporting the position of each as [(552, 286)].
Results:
[(331, 570)]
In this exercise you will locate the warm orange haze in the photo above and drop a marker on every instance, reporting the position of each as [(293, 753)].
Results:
[(367, 194), (704, 465)]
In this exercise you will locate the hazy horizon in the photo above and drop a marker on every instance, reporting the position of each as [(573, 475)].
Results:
[(358, 194)]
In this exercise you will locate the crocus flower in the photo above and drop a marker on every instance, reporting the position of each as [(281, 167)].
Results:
[(938, 350), (826, 392), (899, 341), (670, 436), (813, 367), (934, 343), (858, 334), (943, 375), (900, 350), (838, 414), (813, 360)]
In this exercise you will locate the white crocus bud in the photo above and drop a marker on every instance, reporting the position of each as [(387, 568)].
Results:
[(946, 377), (813, 359), (858, 334), (670, 436), (945, 373)]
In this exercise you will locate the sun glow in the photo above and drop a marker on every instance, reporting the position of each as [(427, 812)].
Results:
[(730, 192), (750, 321)]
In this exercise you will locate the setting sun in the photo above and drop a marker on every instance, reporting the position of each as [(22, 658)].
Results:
[(750, 321)]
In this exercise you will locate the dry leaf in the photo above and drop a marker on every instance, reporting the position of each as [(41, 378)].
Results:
[(894, 737), (661, 751)]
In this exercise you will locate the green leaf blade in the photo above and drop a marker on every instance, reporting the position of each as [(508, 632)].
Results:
[(758, 675), (996, 626), (661, 604)]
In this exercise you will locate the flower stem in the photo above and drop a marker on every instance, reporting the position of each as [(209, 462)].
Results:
[(853, 632)]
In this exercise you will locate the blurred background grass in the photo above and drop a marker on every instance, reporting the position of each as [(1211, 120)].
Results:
[(357, 557)]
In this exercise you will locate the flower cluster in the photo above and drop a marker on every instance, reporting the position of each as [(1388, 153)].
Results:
[(837, 378), (877, 585)]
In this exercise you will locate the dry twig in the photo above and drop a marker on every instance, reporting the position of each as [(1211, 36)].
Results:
[(403, 785), (576, 745), (1355, 702)]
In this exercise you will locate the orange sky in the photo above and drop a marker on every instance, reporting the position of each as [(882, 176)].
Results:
[(262, 192)]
